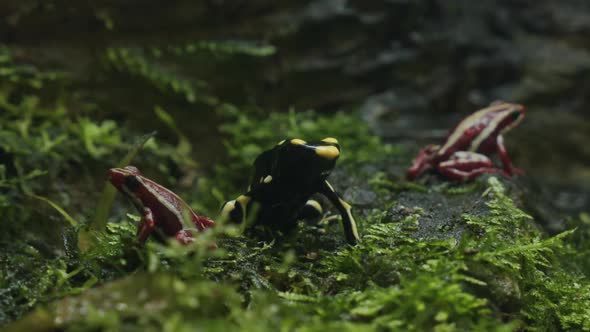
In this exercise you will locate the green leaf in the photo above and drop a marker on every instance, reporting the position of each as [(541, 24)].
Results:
[(184, 146), (54, 205), (108, 193)]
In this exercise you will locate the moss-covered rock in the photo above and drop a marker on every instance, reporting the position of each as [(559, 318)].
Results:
[(432, 257)]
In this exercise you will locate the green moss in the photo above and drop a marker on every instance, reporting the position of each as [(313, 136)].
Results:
[(392, 280), (485, 267), (50, 150)]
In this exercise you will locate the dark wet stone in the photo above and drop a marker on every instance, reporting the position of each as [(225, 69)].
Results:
[(360, 197)]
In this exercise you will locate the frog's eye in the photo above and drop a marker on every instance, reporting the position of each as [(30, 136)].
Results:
[(132, 183), (515, 115)]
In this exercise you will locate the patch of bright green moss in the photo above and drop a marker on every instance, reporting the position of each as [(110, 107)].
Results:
[(390, 281)]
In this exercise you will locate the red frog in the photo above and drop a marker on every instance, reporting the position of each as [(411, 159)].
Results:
[(164, 213), (465, 153)]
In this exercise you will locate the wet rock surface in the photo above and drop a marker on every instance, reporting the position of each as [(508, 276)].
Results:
[(437, 208)]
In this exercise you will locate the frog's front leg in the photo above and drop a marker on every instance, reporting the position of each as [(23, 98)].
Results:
[(147, 225), (422, 163), (234, 211), (345, 210), (506, 162), (311, 211), (465, 166)]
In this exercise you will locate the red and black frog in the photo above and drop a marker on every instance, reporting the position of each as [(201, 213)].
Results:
[(466, 151), (284, 179), (164, 214)]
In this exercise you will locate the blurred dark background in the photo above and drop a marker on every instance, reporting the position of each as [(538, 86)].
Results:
[(411, 68)]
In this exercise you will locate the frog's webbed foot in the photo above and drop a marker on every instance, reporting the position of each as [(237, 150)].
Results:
[(184, 237), (345, 210), (202, 223)]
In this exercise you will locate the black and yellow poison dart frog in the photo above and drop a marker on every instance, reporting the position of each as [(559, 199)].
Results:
[(285, 177)]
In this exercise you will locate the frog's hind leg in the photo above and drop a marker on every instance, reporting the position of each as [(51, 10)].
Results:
[(312, 211), (462, 176), (466, 166), (348, 223)]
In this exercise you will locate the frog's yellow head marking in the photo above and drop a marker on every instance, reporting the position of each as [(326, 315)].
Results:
[(298, 141), (328, 152), (331, 140), (327, 148)]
